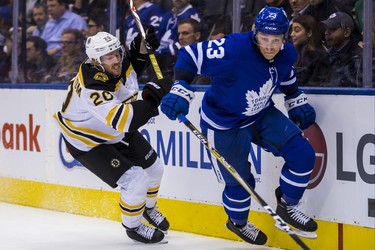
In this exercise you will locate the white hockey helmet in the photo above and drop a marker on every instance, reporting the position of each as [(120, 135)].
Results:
[(101, 44)]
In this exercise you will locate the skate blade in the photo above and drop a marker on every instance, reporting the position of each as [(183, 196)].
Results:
[(304, 234), (163, 241)]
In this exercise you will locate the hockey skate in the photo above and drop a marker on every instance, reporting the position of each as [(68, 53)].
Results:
[(248, 233), (301, 224), (145, 234), (156, 219)]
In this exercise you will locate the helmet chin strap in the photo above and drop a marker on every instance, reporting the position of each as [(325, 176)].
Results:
[(97, 65)]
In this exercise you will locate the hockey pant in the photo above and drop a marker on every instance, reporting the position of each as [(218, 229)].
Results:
[(273, 132)]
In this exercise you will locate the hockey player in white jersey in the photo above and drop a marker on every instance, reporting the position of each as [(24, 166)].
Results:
[(99, 121), (237, 110)]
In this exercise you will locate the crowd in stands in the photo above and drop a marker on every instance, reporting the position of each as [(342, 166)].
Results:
[(327, 35)]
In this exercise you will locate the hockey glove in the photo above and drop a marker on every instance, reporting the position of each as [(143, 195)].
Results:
[(177, 100), (154, 92), (138, 43), (299, 110)]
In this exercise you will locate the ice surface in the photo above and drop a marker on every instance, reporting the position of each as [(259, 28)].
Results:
[(27, 228)]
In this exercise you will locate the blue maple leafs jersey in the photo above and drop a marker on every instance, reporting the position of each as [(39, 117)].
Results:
[(150, 14), (243, 81), (168, 29)]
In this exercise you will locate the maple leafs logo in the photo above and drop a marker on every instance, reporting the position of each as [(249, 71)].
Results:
[(256, 102)]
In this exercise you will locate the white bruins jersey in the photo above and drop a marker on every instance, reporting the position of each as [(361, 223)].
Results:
[(96, 109)]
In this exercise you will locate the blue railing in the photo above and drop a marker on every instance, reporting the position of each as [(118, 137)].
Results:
[(202, 88)]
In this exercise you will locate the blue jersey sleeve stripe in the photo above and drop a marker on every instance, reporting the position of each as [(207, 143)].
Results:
[(290, 82), (200, 57), (194, 58)]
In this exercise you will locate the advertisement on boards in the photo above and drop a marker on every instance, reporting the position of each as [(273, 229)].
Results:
[(341, 187)]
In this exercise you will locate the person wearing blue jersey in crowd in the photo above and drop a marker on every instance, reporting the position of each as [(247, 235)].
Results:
[(237, 110), (149, 13), (168, 33)]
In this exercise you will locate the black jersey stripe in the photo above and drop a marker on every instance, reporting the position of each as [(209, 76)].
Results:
[(78, 133), (117, 117)]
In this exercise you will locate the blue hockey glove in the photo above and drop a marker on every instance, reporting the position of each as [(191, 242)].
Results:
[(299, 110), (177, 100)]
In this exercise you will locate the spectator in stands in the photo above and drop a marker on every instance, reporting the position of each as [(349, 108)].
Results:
[(168, 34), (298, 7), (349, 4), (322, 9), (84, 7), (189, 31), (72, 43), (61, 19), (40, 16), (281, 4), (149, 13), (342, 65), (97, 21), (5, 16), (39, 63), (9, 48), (221, 28), (168, 37), (305, 36), (4, 61)]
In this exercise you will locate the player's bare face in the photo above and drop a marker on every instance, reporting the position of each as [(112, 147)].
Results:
[(112, 63), (269, 45)]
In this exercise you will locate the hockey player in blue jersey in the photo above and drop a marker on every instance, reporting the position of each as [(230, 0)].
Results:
[(149, 13), (245, 70)]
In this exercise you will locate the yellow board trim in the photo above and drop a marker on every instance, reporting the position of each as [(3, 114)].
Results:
[(199, 218)]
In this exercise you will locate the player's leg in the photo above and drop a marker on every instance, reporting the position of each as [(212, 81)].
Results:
[(279, 135), (114, 168), (133, 186), (142, 154), (234, 146), (299, 159)]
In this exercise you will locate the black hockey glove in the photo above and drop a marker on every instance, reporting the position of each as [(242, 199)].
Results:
[(138, 44), (154, 92)]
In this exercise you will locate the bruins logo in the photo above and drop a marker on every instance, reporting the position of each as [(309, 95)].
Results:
[(115, 163), (100, 76)]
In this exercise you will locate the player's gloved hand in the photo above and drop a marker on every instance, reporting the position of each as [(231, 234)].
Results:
[(177, 100), (151, 38), (155, 91), (299, 110), (138, 44)]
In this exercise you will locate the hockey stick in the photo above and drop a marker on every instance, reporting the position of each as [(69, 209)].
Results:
[(150, 52), (245, 185)]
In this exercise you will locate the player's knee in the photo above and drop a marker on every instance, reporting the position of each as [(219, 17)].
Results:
[(156, 170), (299, 154), (237, 191), (134, 181)]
